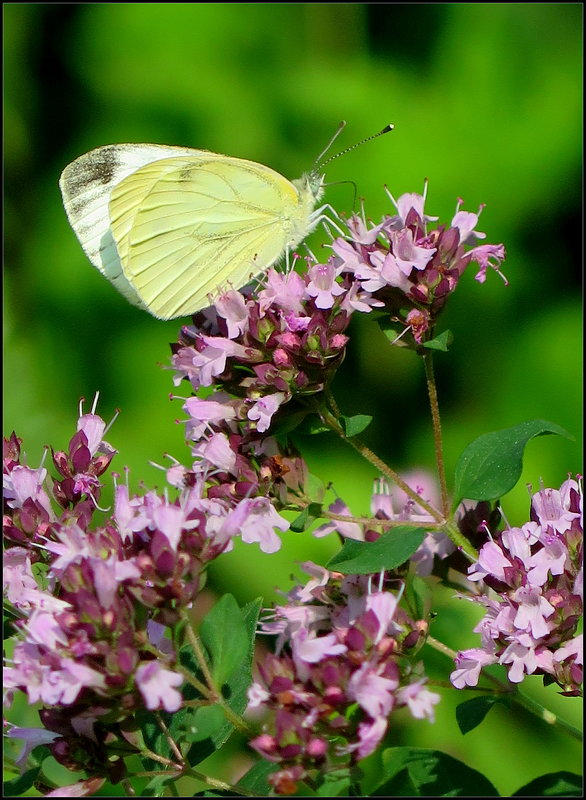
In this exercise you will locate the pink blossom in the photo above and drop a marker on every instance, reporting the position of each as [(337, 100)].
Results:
[(18, 577), (157, 686), (349, 530), (83, 788), (322, 285), (255, 519), (211, 361), (22, 484), (232, 307), (206, 412), (491, 561), (286, 290), (419, 699), (217, 451), (487, 255), (520, 654), (372, 692), (532, 610), (468, 666), (407, 254), (410, 204), (466, 222), (264, 408)]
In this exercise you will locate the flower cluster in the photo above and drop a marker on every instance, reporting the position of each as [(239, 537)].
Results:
[(343, 663), (532, 613), (411, 270), (94, 601), (287, 342)]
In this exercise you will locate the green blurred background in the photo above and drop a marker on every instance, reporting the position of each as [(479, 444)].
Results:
[(486, 102)]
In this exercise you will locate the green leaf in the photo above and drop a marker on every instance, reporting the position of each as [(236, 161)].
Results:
[(356, 424), (491, 465), (441, 342), (223, 633), (418, 594), (288, 423), (19, 785), (392, 549), (206, 727), (308, 515), (418, 772), (204, 723), (335, 784), (554, 784), (391, 330), (255, 779), (312, 425), (470, 713)]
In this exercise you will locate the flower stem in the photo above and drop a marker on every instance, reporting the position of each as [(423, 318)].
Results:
[(170, 741), (437, 431), (543, 713), (383, 468), (447, 527)]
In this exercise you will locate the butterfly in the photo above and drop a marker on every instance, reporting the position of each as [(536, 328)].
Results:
[(171, 227)]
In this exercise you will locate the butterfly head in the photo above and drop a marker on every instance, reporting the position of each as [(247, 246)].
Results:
[(310, 186)]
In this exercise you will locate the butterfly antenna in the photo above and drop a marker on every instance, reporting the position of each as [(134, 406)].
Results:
[(319, 164), (339, 130)]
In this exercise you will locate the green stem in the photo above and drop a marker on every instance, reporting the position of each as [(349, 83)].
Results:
[(211, 691), (543, 713), (437, 431), (128, 788), (374, 522), (161, 759), (170, 741), (192, 773), (383, 468), (447, 527)]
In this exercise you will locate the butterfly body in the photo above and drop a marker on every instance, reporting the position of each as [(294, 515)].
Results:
[(170, 227)]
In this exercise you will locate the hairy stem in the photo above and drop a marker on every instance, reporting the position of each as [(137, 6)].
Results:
[(449, 528), (437, 431), (170, 741)]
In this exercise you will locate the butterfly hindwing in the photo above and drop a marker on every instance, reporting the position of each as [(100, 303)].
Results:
[(187, 226)]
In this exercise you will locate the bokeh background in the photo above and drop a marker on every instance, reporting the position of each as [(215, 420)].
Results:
[(486, 102)]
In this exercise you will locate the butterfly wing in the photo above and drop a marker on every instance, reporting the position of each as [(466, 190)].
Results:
[(86, 185), (187, 226)]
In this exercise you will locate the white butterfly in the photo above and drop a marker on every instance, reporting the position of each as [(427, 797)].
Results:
[(171, 226)]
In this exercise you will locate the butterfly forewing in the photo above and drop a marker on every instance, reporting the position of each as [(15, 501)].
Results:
[(204, 224), (86, 185)]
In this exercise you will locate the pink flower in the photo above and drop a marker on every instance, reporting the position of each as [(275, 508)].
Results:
[(264, 409), (286, 290), (407, 254), (372, 692), (419, 699), (204, 413), (232, 307), (322, 285), (255, 519), (211, 361), (466, 222), (469, 663), (217, 451), (157, 686), (349, 530)]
